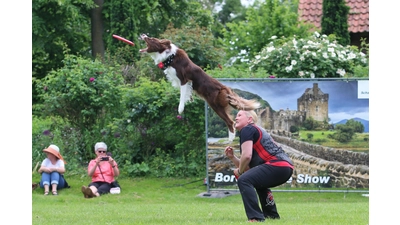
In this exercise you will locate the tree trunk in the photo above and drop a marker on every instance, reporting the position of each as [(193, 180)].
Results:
[(97, 30)]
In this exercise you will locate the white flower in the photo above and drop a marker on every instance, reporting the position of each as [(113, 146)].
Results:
[(242, 52), (364, 60), (341, 72), (308, 57), (294, 42), (128, 120), (351, 55), (270, 49), (274, 37), (288, 68)]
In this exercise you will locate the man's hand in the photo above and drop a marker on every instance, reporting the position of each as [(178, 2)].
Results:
[(229, 152)]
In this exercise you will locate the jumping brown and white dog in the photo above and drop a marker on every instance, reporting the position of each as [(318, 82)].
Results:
[(184, 74)]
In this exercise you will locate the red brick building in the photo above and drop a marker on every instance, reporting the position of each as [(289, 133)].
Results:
[(358, 19)]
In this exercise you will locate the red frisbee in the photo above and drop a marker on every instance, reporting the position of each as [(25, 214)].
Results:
[(123, 39)]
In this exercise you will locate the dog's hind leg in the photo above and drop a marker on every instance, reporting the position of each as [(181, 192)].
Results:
[(224, 114), (185, 95)]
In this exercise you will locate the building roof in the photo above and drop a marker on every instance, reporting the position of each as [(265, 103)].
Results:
[(358, 19)]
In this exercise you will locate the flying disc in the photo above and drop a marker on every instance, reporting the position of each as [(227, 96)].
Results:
[(123, 39)]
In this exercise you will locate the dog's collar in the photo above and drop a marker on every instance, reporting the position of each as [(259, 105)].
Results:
[(164, 65)]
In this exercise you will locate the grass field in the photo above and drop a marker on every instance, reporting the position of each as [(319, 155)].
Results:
[(360, 141), (176, 201)]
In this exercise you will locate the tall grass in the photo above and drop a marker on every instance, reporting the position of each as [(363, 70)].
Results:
[(177, 201)]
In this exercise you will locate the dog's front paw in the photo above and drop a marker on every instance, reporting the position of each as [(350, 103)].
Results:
[(231, 136), (143, 36)]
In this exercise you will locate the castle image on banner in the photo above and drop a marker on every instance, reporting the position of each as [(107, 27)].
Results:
[(313, 103)]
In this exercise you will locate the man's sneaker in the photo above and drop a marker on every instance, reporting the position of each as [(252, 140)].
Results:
[(272, 217), (255, 221), (115, 190)]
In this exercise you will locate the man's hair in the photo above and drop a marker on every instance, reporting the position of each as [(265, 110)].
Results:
[(252, 114)]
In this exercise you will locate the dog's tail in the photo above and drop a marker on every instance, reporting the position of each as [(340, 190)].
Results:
[(240, 103)]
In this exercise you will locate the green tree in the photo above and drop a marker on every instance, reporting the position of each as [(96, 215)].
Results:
[(293, 129), (83, 92), (56, 26), (344, 133), (129, 19), (334, 20), (85, 28), (357, 126), (205, 51), (310, 124), (243, 39), (231, 11)]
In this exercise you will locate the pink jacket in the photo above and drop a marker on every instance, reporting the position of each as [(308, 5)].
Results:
[(106, 170)]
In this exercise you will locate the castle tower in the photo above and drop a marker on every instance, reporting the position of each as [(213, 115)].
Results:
[(314, 103)]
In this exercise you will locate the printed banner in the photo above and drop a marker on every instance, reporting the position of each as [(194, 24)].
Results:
[(322, 125)]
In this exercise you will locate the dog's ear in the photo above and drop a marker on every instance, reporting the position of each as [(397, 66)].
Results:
[(166, 42), (166, 45)]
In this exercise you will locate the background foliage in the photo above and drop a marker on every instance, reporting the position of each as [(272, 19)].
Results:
[(243, 39), (334, 20), (310, 57)]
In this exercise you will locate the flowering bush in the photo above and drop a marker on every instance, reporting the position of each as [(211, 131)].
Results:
[(83, 91), (312, 57)]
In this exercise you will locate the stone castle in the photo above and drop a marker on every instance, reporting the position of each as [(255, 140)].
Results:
[(313, 103)]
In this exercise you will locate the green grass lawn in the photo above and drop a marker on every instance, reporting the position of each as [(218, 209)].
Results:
[(176, 201), (360, 141)]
